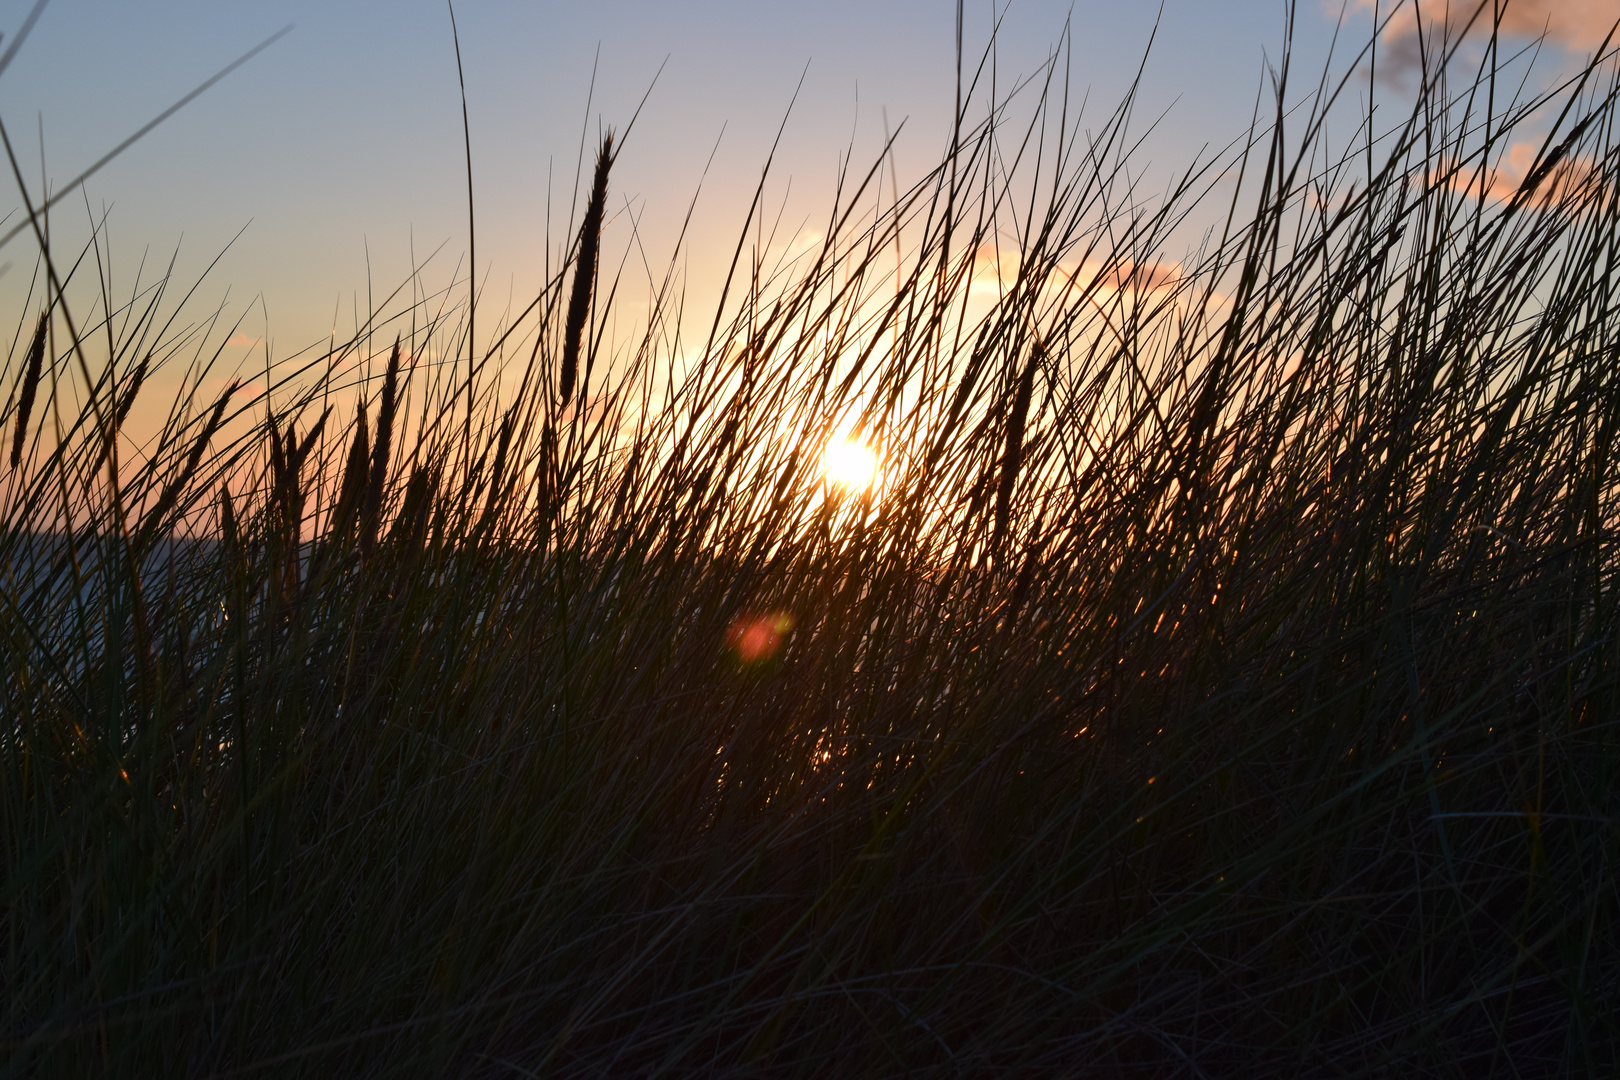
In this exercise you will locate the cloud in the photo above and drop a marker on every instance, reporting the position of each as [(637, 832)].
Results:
[(1574, 24), (807, 240), (239, 340), (996, 271), (1574, 179), (1124, 276)]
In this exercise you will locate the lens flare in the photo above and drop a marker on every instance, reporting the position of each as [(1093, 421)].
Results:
[(758, 637), (850, 464)]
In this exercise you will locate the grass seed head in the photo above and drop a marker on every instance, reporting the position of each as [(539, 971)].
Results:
[(33, 371), (579, 301), (380, 451)]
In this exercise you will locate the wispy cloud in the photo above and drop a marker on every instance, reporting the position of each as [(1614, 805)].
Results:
[(1416, 26), (1570, 182), (995, 271)]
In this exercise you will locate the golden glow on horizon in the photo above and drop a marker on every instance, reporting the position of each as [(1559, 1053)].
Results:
[(849, 463)]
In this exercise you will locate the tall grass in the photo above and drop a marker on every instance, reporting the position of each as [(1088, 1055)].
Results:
[(1220, 680)]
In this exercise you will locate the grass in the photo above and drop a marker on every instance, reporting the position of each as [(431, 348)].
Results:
[(1222, 679)]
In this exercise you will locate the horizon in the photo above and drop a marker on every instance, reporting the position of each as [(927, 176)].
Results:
[(985, 640)]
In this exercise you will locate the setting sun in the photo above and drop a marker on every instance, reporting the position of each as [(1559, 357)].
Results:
[(850, 464), (1003, 571)]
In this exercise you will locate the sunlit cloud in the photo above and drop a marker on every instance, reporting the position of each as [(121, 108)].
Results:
[(806, 241), (1124, 275), (996, 270), (1420, 26), (1567, 179)]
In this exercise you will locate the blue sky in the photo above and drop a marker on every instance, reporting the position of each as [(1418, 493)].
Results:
[(345, 137)]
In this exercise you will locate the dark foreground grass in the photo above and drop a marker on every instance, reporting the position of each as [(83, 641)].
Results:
[(1222, 682)]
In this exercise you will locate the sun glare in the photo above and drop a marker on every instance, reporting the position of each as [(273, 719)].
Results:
[(849, 464)]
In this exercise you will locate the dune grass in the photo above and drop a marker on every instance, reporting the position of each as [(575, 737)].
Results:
[(1221, 678)]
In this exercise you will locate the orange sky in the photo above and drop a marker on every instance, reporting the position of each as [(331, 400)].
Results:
[(338, 152)]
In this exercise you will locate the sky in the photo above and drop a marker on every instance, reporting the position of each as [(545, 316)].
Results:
[(338, 151)]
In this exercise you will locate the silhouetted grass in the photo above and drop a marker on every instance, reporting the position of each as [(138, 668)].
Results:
[(1221, 681)]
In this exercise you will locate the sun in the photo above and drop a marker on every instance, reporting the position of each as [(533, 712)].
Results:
[(850, 464)]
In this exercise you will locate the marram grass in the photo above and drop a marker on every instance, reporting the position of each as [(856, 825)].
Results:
[(1220, 680)]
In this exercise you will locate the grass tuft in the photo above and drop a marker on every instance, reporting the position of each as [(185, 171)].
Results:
[(1220, 678)]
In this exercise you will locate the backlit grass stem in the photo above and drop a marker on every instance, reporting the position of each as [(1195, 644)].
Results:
[(1218, 679)]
